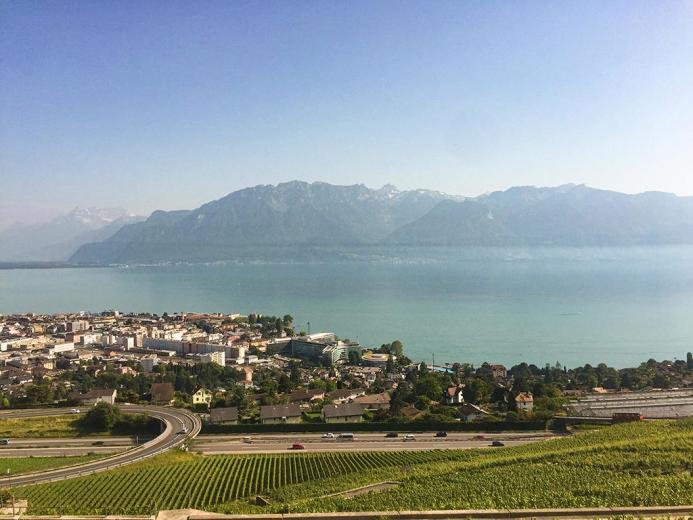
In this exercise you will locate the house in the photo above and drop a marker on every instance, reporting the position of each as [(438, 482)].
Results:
[(97, 395), (280, 413), (375, 401), (227, 415), (524, 402), (410, 412), (306, 396), (454, 394), (345, 395), (202, 396), (162, 393), (343, 413), (499, 372), (470, 412)]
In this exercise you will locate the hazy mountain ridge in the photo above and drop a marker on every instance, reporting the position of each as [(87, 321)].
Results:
[(59, 238), (289, 214), (302, 215)]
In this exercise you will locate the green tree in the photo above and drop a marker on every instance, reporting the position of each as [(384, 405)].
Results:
[(102, 417)]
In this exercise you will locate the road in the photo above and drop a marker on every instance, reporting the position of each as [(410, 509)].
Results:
[(279, 443), (63, 447), (173, 421)]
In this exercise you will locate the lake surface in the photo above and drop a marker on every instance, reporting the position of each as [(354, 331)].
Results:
[(619, 306)]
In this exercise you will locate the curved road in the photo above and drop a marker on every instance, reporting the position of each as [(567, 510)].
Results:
[(172, 419)]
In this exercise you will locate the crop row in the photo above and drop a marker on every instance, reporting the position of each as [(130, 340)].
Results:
[(197, 481)]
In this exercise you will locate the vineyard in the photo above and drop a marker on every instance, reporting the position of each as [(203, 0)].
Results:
[(630, 464), (177, 480)]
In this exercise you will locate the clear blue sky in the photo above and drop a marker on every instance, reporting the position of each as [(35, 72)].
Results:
[(168, 104)]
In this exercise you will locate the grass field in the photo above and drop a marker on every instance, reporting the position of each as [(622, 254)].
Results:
[(63, 426), (18, 465), (630, 464)]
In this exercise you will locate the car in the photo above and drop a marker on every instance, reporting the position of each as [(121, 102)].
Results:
[(442, 434), (183, 431), (347, 436), (75, 410), (4, 442), (328, 435), (297, 446), (479, 438), (97, 443), (248, 440), (409, 437), (497, 444), (390, 435)]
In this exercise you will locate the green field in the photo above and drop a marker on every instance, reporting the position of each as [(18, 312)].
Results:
[(62, 426), (18, 465), (630, 464)]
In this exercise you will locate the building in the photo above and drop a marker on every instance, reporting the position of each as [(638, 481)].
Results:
[(148, 362), (454, 395), (375, 401), (306, 396), (281, 413), (343, 413), (214, 357), (98, 395), (345, 395), (162, 393), (524, 402), (319, 349), (471, 413), (228, 415), (202, 396), (499, 371), (376, 359)]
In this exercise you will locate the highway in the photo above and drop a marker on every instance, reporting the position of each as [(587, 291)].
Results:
[(280, 443), (173, 421)]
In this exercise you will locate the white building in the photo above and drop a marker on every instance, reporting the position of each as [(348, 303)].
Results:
[(214, 357), (148, 362)]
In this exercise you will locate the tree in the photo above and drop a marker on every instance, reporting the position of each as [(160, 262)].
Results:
[(102, 417)]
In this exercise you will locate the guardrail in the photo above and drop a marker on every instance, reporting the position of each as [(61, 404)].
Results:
[(56, 474), (594, 512)]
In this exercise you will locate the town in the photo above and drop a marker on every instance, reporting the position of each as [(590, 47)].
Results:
[(250, 369)]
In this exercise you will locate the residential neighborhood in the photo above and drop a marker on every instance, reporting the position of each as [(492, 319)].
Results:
[(235, 369)]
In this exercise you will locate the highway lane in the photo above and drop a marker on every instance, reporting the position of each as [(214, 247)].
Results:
[(279, 443), (67, 451), (174, 420)]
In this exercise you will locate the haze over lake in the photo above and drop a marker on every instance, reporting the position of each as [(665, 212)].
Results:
[(574, 306)]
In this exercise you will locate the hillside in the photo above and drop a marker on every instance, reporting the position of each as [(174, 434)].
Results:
[(294, 218), (571, 215), (59, 238), (293, 214), (642, 464)]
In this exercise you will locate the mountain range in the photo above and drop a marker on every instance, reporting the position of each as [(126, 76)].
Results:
[(296, 218), (58, 239)]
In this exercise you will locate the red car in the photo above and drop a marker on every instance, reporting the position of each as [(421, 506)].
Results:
[(297, 446)]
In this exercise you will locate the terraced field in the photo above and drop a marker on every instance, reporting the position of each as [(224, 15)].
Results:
[(631, 464)]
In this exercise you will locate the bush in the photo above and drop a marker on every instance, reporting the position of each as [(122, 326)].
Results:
[(102, 417)]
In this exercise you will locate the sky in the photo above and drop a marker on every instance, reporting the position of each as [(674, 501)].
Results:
[(169, 104)]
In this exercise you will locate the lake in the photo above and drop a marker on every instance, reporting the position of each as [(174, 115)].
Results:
[(574, 306)]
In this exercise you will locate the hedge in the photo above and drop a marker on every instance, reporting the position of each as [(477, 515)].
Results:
[(377, 427)]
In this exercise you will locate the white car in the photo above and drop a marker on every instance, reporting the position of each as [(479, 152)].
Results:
[(328, 435), (75, 410), (409, 437)]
